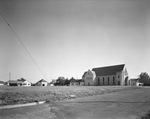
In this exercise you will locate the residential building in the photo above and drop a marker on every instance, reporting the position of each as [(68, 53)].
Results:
[(76, 82), (12, 83), (26, 83), (19, 82), (52, 83), (135, 82), (41, 82), (1, 83), (139, 83), (132, 82), (109, 75)]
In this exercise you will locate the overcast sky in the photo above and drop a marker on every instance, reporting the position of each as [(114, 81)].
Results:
[(68, 37)]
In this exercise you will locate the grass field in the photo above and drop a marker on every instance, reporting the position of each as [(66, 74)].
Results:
[(19, 95)]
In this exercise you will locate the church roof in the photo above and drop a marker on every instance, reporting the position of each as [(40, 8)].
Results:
[(84, 74), (108, 70), (1, 82)]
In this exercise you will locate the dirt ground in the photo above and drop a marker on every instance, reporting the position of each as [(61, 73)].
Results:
[(17, 95), (127, 104)]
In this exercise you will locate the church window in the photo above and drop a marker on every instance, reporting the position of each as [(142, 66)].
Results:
[(113, 80), (98, 81), (103, 80)]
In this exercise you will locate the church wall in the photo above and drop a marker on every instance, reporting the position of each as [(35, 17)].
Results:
[(106, 80), (89, 78)]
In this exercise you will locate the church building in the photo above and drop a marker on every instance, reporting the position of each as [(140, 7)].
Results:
[(109, 75)]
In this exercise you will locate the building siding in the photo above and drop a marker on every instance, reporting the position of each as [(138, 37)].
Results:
[(89, 78)]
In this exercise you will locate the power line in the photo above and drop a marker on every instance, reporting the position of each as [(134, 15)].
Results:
[(22, 44)]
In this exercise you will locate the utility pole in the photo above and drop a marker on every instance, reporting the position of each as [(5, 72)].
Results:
[(9, 76)]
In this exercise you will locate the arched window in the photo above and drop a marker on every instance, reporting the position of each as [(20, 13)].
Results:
[(98, 81), (103, 80), (113, 80)]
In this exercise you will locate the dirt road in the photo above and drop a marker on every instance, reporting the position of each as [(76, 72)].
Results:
[(131, 104)]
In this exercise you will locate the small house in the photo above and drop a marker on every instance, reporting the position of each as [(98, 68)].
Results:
[(135, 82), (76, 82), (19, 82), (26, 83), (12, 83), (132, 82), (41, 82), (139, 83), (1, 83)]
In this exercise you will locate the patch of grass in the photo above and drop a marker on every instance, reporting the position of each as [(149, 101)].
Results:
[(16, 95)]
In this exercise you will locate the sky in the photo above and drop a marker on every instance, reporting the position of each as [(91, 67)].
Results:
[(68, 37)]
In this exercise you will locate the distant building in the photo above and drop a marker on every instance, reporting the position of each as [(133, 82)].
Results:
[(52, 83), (12, 83), (41, 82), (19, 82), (89, 78), (1, 83), (139, 83), (26, 83), (109, 75), (135, 82), (132, 82), (76, 82)]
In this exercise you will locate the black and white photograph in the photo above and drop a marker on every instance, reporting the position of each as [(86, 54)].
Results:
[(74, 59)]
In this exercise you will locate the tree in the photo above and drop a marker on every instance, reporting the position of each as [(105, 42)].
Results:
[(67, 82), (144, 78), (21, 79), (60, 81)]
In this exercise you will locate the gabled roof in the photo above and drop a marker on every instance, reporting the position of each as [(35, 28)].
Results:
[(26, 81), (42, 80), (1, 82), (72, 80), (108, 70), (22, 79), (79, 80), (12, 81), (134, 79), (17, 81), (84, 74), (76, 80)]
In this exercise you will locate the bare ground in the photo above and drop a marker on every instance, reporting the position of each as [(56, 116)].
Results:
[(20, 95)]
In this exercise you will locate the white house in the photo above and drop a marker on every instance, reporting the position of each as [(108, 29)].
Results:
[(139, 84), (135, 82), (26, 83), (42, 82), (19, 82), (76, 82), (1, 83), (132, 82), (109, 75)]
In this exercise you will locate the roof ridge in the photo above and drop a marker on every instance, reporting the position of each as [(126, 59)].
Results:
[(108, 66), (108, 70), (42, 80)]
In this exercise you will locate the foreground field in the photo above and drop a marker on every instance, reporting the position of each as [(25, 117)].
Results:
[(17, 95)]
